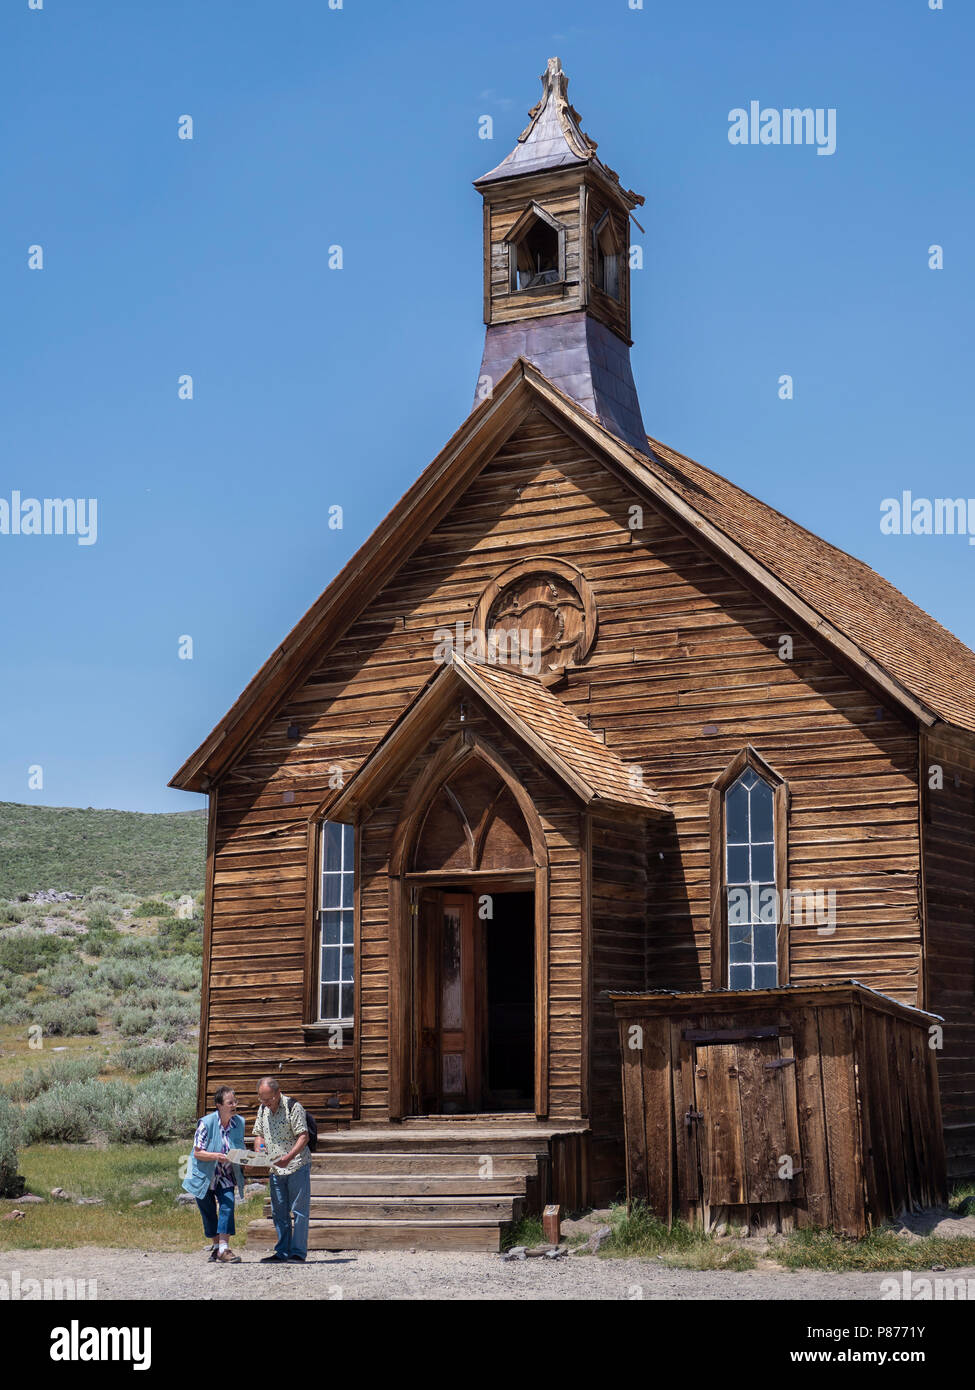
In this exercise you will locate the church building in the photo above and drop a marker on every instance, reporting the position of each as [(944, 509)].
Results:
[(581, 717)]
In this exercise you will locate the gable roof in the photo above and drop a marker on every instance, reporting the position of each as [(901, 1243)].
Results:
[(920, 665), (571, 751)]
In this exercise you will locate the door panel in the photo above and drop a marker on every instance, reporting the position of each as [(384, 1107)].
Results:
[(459, 1071), (747, 1121)]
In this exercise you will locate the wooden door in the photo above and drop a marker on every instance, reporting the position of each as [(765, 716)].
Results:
[(460, 1070), (747, 1119), (448, 1052)]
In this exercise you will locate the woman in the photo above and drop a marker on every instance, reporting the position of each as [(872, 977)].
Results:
[(212, 1178)]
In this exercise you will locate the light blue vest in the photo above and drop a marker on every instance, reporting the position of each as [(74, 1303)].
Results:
[(200, 1172)]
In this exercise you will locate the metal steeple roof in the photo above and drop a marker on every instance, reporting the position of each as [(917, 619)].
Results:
[(553, 138)]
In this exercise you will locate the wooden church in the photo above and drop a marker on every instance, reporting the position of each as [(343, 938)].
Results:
[(566, 725)]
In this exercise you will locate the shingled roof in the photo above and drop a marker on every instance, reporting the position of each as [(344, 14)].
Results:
[(901, 637), (571, 751)]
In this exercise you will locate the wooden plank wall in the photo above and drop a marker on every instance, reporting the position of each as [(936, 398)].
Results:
[(949, 876), (685, 670), (618, 910)]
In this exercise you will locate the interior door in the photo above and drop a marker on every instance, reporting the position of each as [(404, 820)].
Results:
[(460, 1071), (448, 1062)]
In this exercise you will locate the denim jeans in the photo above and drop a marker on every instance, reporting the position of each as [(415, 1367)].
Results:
[(291, 1197), (217, 1210)]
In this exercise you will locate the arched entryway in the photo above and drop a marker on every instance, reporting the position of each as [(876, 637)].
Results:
[(469, 876)]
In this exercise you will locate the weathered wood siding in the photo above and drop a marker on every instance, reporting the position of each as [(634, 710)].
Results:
[(949, 880), (618, 911)]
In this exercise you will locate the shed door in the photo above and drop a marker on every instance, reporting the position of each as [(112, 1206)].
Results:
[(748, 1129)]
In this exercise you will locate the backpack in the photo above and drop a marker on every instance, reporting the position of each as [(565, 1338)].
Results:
[(310, 1121)]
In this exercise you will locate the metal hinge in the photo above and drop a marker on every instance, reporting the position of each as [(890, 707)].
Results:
[(780, 1062), (691, 1116)]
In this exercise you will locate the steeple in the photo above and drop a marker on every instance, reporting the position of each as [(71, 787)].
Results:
[(556, 264)]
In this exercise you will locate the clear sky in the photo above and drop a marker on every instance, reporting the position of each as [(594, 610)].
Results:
[(313, 387)]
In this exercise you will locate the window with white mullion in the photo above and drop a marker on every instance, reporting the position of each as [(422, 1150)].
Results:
[(750, 886), (336, 920)]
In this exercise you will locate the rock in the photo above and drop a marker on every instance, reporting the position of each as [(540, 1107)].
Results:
[(251, 1189), (90, 1201), (60, 1194), (556, 1252), (30, 1198), (186, 1199), (598, 1239), (517, 1252), (61, 1049), (184, 907), (15, 1215), (146, 1203), (537, 1250)]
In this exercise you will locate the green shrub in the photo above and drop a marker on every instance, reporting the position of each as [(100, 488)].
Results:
[(23, 952), (9, 915), (134, 1023), (65, 979), (152, 907), (178, 936), (99, 920), (11, 1185), (73, 1113), (181, 972), (131, 948), (157, 1108), (65, 1018), (35, 1080), (150, 1057)]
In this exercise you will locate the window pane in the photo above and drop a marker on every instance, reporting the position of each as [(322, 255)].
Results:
[(741, 977), (347, 957), (748, 778), (737, 864), (347, 1001), (348, 889), (740, 945), (764, 942), (736, 810), (332, 847), (765, 977), (331, 923), (761, 811), (347, 919), (330, 964), (330, 1001), (763, 864)]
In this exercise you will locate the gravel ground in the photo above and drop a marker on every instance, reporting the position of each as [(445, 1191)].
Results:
[(367, 1274)]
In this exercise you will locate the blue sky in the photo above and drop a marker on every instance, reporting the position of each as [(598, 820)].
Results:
[(315, 387)]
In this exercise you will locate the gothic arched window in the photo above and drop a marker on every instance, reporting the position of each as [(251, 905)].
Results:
[(749, 939)]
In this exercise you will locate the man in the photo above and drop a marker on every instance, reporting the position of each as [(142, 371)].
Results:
[(281, 1125)]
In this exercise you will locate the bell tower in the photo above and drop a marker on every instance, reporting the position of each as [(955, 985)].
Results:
[(557, 265)]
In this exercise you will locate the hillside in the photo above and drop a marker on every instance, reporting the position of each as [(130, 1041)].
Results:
[(71, 849)]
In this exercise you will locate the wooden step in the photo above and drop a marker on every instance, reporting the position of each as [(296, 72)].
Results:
[(440, 1139), (427, 1164), (416, 1185), (504, 1208), (387, 1235)]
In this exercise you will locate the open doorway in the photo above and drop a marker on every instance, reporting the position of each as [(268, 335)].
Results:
[(474, 1001)]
